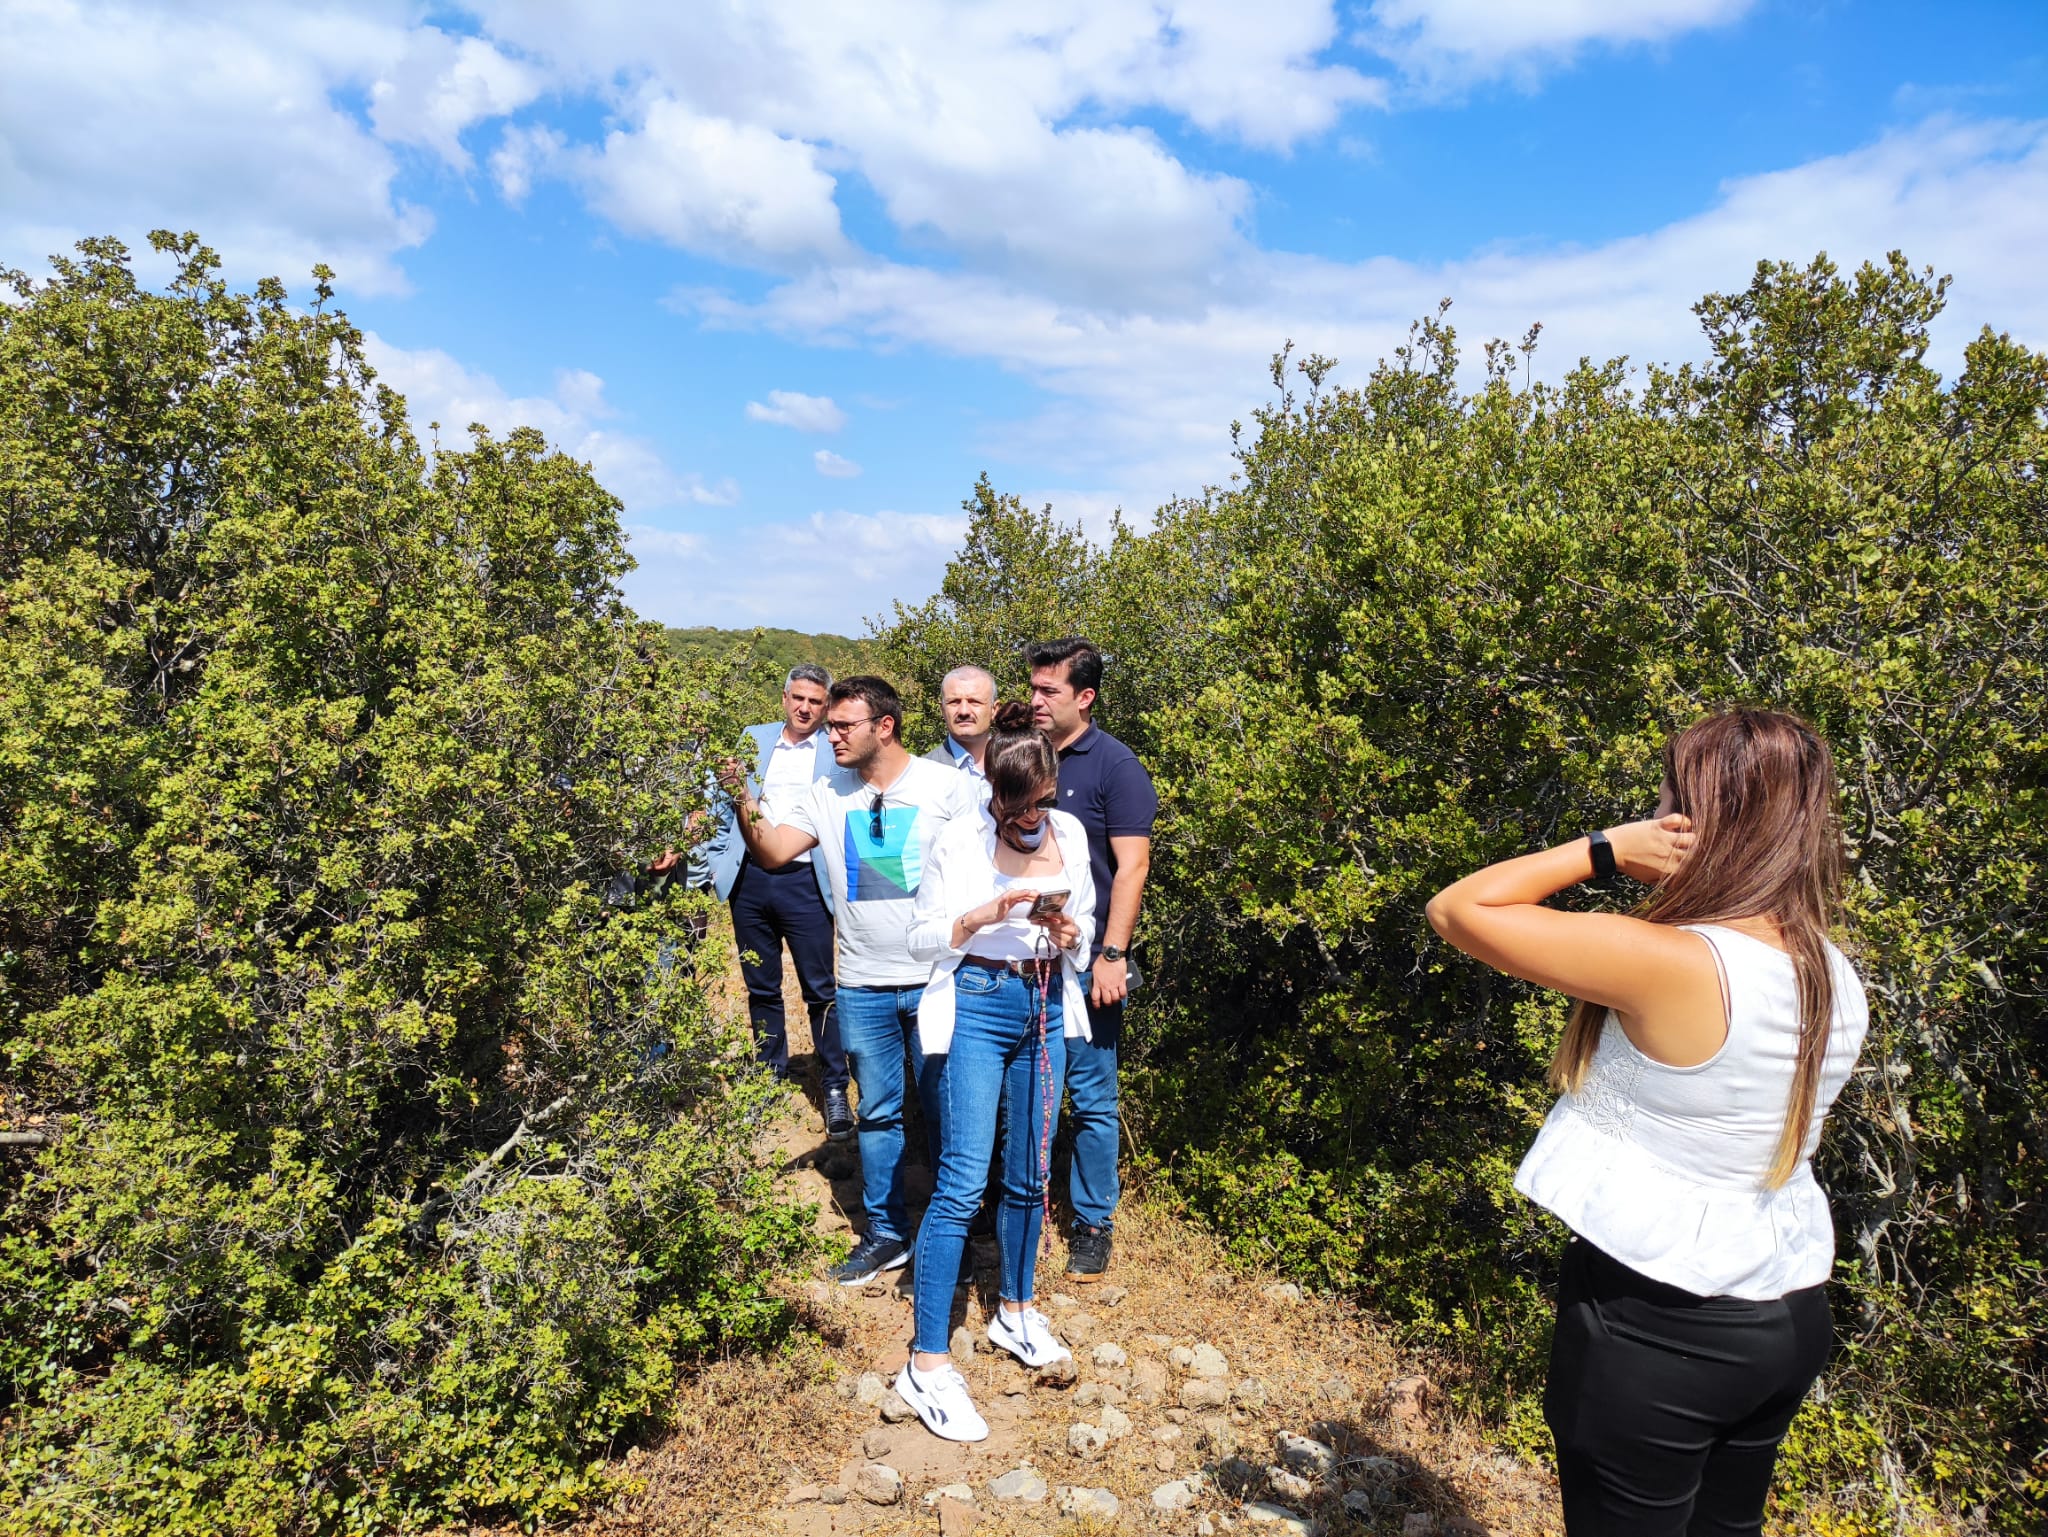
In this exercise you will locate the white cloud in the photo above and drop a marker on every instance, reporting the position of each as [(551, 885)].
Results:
[(1450, 41), (830, 464), (998, 135), (714, 186), (523, 155), (648, 542), (441, 85), (1139, 404), (790, 408), (118, 118), (831, 571), (439, 389)]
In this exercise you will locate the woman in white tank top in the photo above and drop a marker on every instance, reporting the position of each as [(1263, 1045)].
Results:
[(1714, 1027)]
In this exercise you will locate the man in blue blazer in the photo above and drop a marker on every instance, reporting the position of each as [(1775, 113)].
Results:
[(792, 904)]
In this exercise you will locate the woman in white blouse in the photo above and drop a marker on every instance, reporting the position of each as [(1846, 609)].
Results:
[(1714, 1027), (1004, 909)]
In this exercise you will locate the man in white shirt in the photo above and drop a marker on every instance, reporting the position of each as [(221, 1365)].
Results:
[(870, 823), (967, 698), (791, 904)]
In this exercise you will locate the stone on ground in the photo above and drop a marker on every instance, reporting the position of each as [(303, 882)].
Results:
[(1286, 1293), (832, 1494), (1314, 1458), (1148, 1382), (870, 1388), (1062, 1373), (1111, 1296), (1110, 1355), (961, 1346), (956, 1517), (1087, 1441), (1249, 1394), (876, 1444), (1096, 1504), (1290, 1485), (1114, 1422), (803, 1494), (1023, 1484), (878, 1484), (1278, 1517), (894, 1409), (964, 1493), (1076, 1329), (1202, 1393), (1182, 1357), (1208, 1362), (1178, 1495), (1408, 1400)]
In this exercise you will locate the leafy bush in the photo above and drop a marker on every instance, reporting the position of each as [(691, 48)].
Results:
[(1426, 627), (368, 1169)]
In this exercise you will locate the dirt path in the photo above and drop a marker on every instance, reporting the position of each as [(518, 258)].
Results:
[(1201, 1400)]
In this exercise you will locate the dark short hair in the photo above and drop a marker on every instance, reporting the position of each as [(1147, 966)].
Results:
[(878, 694), (1082, 661)]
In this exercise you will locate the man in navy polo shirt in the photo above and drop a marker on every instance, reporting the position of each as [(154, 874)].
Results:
[(1103, 784)]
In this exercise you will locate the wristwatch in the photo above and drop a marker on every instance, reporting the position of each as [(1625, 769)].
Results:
[(1114, 952)]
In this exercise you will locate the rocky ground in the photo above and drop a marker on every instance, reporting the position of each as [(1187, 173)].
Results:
[(1199, 1400)]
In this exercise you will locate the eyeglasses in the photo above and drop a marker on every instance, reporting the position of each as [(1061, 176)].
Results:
[(842, 727)]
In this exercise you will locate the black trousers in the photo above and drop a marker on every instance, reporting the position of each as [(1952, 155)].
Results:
[(1668, 1408), (771, 908)]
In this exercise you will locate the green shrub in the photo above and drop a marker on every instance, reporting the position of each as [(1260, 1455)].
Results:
[(395, 1172), (1426, 627)]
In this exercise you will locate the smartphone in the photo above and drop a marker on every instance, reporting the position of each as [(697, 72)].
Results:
[(1049, 902)]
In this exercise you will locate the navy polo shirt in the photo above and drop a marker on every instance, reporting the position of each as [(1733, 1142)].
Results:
[(1106, 789)]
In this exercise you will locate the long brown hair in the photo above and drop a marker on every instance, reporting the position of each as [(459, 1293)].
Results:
[(1019, 763), (1759, 786)]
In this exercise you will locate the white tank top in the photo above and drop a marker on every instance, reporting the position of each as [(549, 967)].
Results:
[(1663, 1167), (1017, 938)]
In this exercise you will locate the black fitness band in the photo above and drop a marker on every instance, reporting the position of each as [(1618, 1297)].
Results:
[(1603, 856)]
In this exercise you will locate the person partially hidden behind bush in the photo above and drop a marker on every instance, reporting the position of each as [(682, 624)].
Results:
[(1714, 1027)]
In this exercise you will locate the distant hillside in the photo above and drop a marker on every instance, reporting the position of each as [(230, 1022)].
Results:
[(776, 651)]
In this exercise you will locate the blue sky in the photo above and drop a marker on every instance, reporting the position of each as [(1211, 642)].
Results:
[(791, 275)]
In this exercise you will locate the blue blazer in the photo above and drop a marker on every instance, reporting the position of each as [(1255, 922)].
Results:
[(730, 848)]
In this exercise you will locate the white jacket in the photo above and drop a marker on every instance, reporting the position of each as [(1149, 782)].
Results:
[(959, 875)]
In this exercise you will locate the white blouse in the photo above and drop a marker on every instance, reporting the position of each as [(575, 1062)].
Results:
[(960, 875), (1663, 1167)]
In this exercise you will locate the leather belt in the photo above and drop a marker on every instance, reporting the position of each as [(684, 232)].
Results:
[(1033, 969)]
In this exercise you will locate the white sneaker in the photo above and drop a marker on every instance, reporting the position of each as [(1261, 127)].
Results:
[(941, 1401), (1027, 1336)]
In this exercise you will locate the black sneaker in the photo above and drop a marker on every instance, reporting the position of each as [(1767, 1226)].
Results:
[(870, 1257), (1087, 1253), (838, 1116)]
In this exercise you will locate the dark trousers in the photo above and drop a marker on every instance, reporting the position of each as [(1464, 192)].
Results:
[(771, 908), (1668, 1408)]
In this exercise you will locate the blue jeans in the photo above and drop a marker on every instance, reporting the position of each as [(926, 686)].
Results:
[(771, 908), (1092, 1188), (875, 1024), (993, 1069)]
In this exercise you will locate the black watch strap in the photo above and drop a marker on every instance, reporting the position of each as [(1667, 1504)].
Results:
[(1603, 856)]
